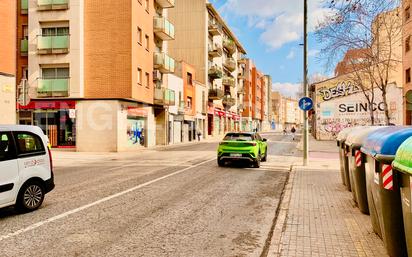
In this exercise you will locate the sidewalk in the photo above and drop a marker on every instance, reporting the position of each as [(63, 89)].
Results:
[(317, 215)]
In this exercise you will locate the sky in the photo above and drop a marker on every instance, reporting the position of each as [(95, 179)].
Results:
[(271, 31)]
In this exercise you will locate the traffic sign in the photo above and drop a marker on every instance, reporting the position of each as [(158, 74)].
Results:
[(305, 103)]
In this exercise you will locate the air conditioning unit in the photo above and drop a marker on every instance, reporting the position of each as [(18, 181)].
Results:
[(157, 75)]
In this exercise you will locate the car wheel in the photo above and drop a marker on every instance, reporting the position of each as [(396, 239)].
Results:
[(30, 197), (220, 163), (256, 162), (265, 157)]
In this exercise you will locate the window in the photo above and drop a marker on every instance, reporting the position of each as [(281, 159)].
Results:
[(407, 13), (146, 43), (408, 75), (62, 31), (28, 143), (25, 72), (189, 102), (146, 5), (147, 80), (238, 137), (408, 44), (189, 78), (139, 35), (55, 73), (139, 76), (25, 31), (7, 151)]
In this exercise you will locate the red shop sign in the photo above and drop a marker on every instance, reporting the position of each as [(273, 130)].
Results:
[(51, 105), (133, 111)]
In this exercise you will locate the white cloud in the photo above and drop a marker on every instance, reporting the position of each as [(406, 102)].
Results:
[(288, 89), (280, 20), (291, 55)]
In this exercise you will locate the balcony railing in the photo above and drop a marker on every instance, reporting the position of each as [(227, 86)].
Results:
[(24, 6), (230, 64), (164, 96), (166, 3), (215, 29), (53, 44), (58, 87), (229, 45), (228, 81), (163, 28), (216, 94), (215, 72), (164, 63), (215, 50), (44, 5), (228, 101), (24, 47)]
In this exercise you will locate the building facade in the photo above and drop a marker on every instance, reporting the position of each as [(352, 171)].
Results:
[(96, 70), (407, 60), (205, 41), (8, 44)]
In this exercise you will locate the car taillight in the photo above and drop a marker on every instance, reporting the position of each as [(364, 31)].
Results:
[(252, 144), (50, 159)]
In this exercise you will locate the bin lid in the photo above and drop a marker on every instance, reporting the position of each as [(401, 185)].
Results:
[(356, 137), (344, 133), (403, 157), (384, 142)]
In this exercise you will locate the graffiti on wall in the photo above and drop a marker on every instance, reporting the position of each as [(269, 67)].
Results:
[(343, 88)]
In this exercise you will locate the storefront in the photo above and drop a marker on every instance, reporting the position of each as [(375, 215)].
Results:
[(136, 127), (57, 119)]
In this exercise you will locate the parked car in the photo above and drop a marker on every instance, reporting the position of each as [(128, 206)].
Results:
[(246, 146), (26, 173)]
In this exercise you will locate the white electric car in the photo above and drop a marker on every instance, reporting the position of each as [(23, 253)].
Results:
[(26, 173)]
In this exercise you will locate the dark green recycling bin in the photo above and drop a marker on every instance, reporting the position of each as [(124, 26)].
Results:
[(344, 162), (384, 199), (403, 165), (357, 165)]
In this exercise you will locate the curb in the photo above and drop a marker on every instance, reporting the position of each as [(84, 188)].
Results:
[(275, 248)]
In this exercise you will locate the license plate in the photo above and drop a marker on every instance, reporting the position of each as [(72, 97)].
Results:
[(235, 155)]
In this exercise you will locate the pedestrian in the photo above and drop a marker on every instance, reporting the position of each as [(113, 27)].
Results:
[(198, 135), (285, 132), (293, 131)]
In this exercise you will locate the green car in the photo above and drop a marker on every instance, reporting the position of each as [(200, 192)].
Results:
[(247, 146)]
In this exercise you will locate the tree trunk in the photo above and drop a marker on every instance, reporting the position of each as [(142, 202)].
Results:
[(371, 112), (385, 105)]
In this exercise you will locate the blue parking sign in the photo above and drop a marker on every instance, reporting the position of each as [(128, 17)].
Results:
[(305, 104)]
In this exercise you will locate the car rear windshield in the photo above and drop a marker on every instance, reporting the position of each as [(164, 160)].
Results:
[(238, 137)]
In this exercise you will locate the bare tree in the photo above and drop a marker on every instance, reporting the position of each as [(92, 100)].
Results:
[(375, 29)]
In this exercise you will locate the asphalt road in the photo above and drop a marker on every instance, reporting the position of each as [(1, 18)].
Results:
[(170, 202)]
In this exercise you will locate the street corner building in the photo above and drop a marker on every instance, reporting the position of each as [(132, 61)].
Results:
[(341, 103), (95, 72)]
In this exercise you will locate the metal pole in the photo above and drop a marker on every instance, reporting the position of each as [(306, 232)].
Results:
[(305, 83)]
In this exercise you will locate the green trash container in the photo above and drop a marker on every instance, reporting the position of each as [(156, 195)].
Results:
[(357, 165), (380, 147), (403, 166), (343, 160)]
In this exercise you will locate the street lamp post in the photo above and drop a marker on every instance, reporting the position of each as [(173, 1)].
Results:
[(305, 82)]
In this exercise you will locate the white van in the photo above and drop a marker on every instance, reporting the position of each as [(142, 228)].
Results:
[(26, 173)]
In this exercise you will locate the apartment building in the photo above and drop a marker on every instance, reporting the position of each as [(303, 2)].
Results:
[(205, 41), (407, 60), (277, 111), (257, 100), (96, 71), (8, 46), (246, 74), (267, 102)]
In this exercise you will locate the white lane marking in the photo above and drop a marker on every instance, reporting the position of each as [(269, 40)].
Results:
[(87, 206)]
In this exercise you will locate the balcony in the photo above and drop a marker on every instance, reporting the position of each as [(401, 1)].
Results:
[(240, 89), (45, 5), (216, 94), (164, 96), (229, 45), (24, 47), (53, 44), (228, 81), (163, 28), (228, 101), (24, 6), (230, 64), (166, 3), (164, 63), (215, 51), (215, 72), (215, 29), (53, 87)]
